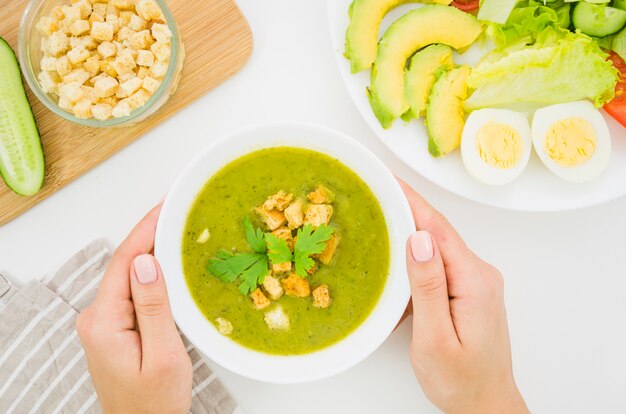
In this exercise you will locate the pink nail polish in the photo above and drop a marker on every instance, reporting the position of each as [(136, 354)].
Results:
[(421, 246), (145, 269)]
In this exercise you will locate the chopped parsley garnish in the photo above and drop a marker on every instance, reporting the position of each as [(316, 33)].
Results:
[(277, 249), (309, 242), (255, 237), (251, 268)]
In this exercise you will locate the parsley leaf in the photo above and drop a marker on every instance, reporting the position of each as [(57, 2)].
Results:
[(254, 275), (251, 268), (254, 237), (310, 242), (277, 249)]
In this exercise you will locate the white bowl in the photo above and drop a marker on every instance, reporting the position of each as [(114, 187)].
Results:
[(257, 365)]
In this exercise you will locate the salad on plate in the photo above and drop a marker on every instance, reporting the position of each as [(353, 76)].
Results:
[(551, 66)]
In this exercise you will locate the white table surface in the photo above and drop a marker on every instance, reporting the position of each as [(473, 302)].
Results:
[(565, 273)]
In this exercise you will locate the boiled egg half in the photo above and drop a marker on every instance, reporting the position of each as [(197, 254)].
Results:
[(572, 140), (496, 145)]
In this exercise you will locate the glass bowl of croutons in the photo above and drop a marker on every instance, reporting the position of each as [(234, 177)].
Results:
[(100, 63)]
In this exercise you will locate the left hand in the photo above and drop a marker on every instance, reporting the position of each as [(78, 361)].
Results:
[(136, 357)]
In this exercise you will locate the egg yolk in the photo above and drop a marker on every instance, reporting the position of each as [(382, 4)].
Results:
[(499, 145), (570, 142)]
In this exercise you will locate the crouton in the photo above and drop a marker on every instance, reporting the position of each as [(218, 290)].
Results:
[(313, 269), (71, 91), (82, 109), (318, 214), (140, 40), (78, 55), (296, 286), (136, 23), (123, 64), (277, 319), (106, 86), (145, 58), (122, 109), (273, 219), (149, 10), (79, 27), (285, 234), (102, 31), (260, 300), (48, 63), (106, 49), (102, 111), (272, 287), (158, 69), (321, 195), (161, 32), (49, 81), (331, 246), (129, 87), (294, 214), (150, 84), (281, 267), (224, 326), (63, 66), (79, 76), (57, 43), (278, 201), (162, 51), (321, 297), (204, 236), (47, 25)]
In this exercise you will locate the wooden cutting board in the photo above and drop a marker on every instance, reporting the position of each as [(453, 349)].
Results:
[(217, 41)]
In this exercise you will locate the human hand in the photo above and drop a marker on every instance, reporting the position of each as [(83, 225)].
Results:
[(136, 357), (460, 349)]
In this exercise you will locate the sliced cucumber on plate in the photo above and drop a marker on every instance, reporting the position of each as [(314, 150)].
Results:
[(598, 20), (21, 154)]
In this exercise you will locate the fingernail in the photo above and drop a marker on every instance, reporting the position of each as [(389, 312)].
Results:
[(421, 246), (162, 198), (145, 269)]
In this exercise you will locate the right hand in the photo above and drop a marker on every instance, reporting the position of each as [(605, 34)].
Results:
[(460, 351)]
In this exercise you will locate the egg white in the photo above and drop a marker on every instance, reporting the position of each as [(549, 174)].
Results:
[(474, 164), (544, 118)]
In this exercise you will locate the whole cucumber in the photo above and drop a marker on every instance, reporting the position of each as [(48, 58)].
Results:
[(21, 154)]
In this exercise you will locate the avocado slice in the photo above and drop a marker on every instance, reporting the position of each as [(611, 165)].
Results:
[(362, 33), (445, 116), (413, 31), (420, 77)]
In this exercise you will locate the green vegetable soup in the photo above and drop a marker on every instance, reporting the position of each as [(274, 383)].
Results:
[(355, 277)]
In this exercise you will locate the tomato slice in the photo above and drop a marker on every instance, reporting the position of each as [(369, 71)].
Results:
[(617, 107), (466, 5)]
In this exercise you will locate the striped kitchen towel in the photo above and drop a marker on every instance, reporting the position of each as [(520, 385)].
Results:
[(42, 364)]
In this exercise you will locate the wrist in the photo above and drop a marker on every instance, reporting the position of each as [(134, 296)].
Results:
[(508, 401)]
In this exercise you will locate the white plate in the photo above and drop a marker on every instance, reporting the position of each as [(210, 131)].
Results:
[(536, 189), (257, 365)]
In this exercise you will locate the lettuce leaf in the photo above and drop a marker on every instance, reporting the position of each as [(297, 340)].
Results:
[(528, 19), (559, 67)]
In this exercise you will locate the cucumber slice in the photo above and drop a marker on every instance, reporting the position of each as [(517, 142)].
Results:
[(597, 19), (21, 154), (619, 4)]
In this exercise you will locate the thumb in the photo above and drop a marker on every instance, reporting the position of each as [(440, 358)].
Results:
[(159, 336), (429, 289)]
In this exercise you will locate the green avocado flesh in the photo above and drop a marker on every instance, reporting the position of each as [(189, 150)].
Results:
[(362, 33), (420, 77), (355, 278), (445, 116), (413, 31)]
